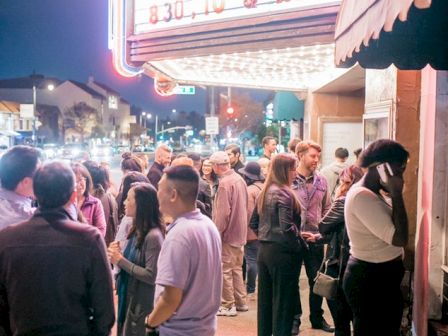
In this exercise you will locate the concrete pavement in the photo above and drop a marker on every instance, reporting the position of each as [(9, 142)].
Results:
[(245, 324)]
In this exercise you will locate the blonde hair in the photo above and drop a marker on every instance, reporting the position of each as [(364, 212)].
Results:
[(278, 174), (303, 146)]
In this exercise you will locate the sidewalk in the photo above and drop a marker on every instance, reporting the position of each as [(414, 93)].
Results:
[(245, 324)]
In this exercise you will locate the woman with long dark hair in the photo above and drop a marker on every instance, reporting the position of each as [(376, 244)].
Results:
[(138, 261), (377, 226), (332, 228), (276, 220), (126, 221)]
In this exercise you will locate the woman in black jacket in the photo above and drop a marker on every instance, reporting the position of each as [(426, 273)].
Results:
[(332, 228), (276, 221)]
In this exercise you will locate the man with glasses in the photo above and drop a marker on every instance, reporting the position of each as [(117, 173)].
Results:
[(17, 167)]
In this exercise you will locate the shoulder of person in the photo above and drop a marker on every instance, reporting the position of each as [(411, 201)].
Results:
[(92, 200), (154, 235)]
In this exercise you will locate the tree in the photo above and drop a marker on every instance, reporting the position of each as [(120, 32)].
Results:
[(82, 118)]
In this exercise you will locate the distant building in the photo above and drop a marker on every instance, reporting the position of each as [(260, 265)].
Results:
[(52, 107)]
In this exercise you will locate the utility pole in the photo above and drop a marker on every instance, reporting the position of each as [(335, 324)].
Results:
[(34, 115)]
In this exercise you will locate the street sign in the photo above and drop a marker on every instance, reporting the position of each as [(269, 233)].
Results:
[(184, 90), (26, 111), (212, 125)]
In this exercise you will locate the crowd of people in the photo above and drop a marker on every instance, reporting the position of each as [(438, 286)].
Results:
[(188, 239)]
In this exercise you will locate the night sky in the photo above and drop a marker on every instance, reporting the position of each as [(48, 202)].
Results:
[(68, 39)]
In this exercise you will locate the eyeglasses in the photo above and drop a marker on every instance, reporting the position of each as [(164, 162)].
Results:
[(83, 180)]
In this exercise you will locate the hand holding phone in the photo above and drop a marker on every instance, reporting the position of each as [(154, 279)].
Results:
[(384, 171)]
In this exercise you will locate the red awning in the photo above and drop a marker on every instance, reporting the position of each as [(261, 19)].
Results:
[(368, 32)]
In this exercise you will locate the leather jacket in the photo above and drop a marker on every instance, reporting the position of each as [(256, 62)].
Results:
[(279, 222)]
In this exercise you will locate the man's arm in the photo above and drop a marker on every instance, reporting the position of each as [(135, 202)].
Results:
[(166, 306), (222, 212), (326, 202)]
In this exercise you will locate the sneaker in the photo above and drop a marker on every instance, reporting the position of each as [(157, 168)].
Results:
[(243, 308), (223, 311)]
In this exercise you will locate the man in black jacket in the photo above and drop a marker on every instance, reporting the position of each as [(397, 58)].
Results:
[(162, 159), (234, 153), (55, 278)]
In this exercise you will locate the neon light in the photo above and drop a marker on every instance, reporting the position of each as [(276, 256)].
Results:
[(117, 39)]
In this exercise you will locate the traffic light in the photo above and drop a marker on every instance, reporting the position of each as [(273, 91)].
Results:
[(230, 110)]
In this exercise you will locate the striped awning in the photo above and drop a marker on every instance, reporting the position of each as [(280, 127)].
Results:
[(368, 32)]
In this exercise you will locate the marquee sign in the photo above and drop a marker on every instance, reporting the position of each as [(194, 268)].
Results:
[(156, 15)]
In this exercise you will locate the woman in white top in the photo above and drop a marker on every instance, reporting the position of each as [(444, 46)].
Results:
[(377, 226)]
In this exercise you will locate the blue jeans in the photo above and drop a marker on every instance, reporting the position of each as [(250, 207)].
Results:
[(250, 254)]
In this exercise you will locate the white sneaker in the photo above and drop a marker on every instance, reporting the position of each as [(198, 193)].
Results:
[(223, 311), (243, 308)]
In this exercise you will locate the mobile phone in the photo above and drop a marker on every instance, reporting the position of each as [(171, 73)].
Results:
[(381, 168)]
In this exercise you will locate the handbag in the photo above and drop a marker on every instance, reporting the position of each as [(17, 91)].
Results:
[(325, 285)]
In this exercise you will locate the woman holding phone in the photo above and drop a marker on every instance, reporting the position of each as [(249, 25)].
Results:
[(377, 227)]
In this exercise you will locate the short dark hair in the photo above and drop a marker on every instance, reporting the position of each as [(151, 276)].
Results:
[(186, 180), (53, 184), (357, 152), (235, 149), (195, 157), (16, 164), (341, 153), (266, 139), (383, 150)]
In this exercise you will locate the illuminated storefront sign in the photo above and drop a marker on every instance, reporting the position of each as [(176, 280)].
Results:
[(154, 15)]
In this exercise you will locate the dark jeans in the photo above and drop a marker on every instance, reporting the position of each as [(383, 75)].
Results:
[(312, 259), (278, 275), (374, 295), (250, 256), (339, 308)]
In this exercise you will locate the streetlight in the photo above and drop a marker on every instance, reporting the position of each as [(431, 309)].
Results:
[(173, 110), (50, 87), (148, 116), (141, 118)]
